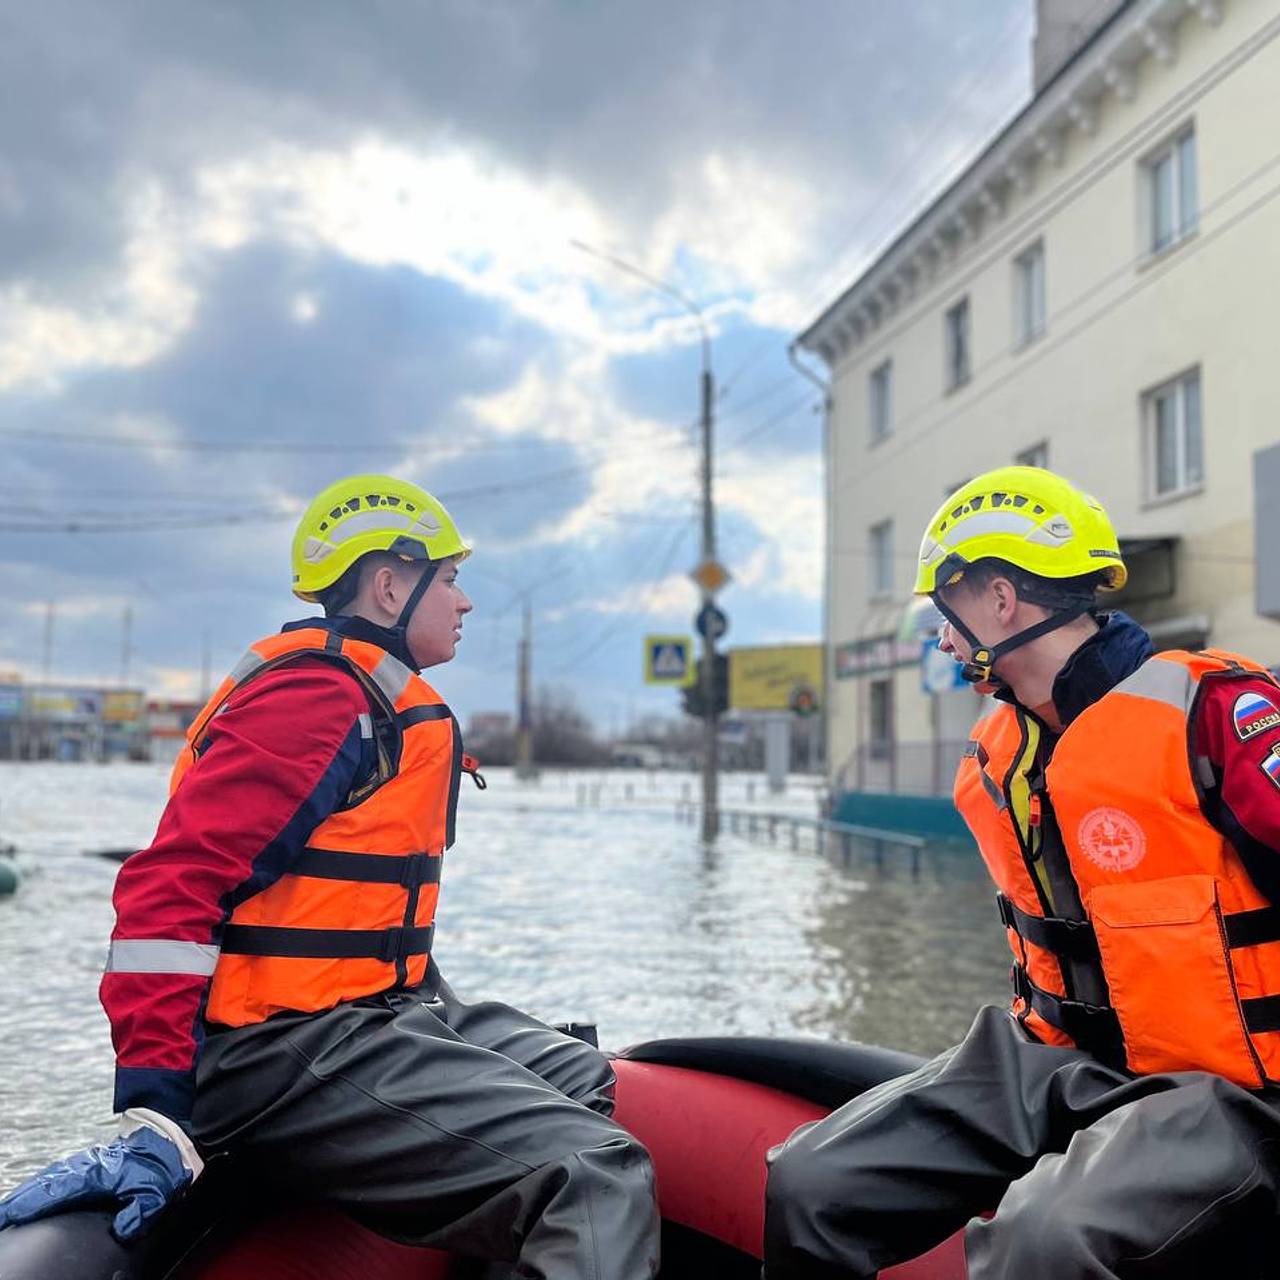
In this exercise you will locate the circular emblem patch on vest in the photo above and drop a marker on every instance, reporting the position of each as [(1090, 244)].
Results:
[(1112, 839)]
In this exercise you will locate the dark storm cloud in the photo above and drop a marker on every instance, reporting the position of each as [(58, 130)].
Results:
[(99, 102), (385, 356), (389, 356), (624, 99)]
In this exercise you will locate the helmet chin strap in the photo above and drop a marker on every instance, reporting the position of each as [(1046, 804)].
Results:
[(980, 669), (401, 628)]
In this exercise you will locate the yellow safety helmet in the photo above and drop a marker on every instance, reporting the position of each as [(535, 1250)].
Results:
[(368, 513), (1028, 517)]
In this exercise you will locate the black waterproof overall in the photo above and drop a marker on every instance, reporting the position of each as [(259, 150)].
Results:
[(470, 1128)]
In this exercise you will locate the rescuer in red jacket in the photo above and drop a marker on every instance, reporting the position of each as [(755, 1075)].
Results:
[(270, 984), (1120, 1117)]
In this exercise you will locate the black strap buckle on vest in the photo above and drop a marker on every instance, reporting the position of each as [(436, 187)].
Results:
[(418, 869), (401, 943), (1095, 1028), (1071, 939)]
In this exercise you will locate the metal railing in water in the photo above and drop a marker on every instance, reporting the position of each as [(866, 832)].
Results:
[(789, 826)]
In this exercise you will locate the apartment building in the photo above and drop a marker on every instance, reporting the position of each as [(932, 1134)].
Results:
[(1096, 293)]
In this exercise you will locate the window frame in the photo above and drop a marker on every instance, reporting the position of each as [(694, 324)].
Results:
[(880, 395), (1184, 487), (880, 748), (1183, 227), (880, 557), (954, 379), (1036, 326)]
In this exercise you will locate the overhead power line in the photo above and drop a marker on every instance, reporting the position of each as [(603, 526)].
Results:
[(144, 523), (626, 619)]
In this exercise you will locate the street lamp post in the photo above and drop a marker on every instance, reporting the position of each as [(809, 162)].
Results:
[(707, 674)]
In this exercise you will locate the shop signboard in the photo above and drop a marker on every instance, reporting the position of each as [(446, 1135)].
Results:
[(876, 655), (63, 703)]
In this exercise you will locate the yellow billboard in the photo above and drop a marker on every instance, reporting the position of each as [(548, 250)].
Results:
[(780, 677)]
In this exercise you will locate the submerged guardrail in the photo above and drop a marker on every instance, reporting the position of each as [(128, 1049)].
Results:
[(825, 832)]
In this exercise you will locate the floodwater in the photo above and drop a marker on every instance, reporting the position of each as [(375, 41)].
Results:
[(576, 897)]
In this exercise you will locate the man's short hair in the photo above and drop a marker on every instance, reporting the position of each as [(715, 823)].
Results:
[(1049, 593), (337, 596)]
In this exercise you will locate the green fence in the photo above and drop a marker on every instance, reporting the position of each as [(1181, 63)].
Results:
[(933, 816)]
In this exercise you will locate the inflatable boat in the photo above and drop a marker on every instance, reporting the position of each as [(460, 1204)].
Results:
[(707, 1109)]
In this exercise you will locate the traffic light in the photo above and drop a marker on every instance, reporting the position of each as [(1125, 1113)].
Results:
[(803, 700), (691, 696)]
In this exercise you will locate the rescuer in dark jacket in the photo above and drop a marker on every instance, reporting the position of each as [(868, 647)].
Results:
[(270, 984), (1119, 1118)]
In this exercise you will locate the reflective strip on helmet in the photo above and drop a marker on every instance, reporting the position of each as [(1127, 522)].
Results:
[(391, 676), (316, 549), (162, 955), (247, 665), (1161, 681), (987, 522), (379, 519)]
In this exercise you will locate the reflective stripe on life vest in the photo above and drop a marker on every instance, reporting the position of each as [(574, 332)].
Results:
[(354, 914), (1163, 909)]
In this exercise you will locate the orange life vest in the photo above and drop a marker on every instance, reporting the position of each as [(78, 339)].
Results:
[(354, 914), (1137, 929)]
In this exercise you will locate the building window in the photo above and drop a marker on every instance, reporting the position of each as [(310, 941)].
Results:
[(1036, 456), (957, 340), (1172, 197), (1028, 295), (880, 579), (881, 401), (1175, 443), (880, 716)]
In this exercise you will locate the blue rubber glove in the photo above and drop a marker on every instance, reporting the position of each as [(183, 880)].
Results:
[(142, 1172)]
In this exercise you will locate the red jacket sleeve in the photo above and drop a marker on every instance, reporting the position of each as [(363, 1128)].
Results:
[(281, 757), (1237, 729)]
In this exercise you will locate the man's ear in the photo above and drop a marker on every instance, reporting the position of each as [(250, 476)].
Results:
[(1006, 598), (382, 584)]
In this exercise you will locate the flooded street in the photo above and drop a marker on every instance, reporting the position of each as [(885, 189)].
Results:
[(580, 896)]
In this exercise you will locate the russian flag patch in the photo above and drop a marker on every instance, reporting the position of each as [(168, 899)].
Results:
[(1271, 764), (1253, 714)]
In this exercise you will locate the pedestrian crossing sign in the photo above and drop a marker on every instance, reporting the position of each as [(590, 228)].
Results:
[(668, 660)]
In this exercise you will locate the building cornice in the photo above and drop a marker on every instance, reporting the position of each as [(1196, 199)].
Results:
[(1106, 65)]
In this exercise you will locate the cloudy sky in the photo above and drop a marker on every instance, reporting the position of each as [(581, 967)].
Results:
[(247, 248)]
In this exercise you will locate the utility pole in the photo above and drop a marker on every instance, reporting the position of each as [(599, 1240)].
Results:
[(710, 724), (524, 718), (711, 720), (126, 645), (46, 661)]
